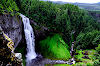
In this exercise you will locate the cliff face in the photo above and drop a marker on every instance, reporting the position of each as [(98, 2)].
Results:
[(12, 27)]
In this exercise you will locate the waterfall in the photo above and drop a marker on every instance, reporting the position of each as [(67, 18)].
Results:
[(30, 39)]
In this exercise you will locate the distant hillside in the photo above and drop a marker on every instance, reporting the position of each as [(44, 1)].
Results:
[(87, 6)]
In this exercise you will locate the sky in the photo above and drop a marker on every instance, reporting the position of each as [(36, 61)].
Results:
[(79, 1)]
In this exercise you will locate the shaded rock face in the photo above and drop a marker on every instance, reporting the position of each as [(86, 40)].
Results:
[(12, 27), (40, 32), (7, 55), (3, 48)]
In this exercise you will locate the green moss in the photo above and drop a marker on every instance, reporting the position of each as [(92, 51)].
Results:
[(55, 48)]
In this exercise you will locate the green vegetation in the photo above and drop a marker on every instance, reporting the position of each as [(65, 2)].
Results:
[(8, 7), (88, 53), (85, 57), (69, 22), (66, 19), (97, 55), (88, 40), (77, 64), (55, 47)]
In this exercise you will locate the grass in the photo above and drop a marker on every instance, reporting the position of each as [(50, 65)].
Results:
[(55, 48)]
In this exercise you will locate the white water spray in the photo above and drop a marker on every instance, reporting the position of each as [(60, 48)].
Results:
[(30, 39)]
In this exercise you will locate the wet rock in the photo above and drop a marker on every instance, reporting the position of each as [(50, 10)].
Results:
[(71, 61), (18, 55), (72, 51), (12, 27)]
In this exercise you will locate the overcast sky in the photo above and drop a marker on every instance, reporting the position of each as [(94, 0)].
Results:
[(80, 1)]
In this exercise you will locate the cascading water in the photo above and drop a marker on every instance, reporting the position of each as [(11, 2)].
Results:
[(29, 36)]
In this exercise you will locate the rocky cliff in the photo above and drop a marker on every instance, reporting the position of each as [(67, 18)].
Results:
[(12, 27)]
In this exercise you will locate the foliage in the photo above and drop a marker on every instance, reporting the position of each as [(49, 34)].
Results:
[(66, 19), (98, 49), (77, 64), (55, 47), (83, 64), (80, 61), (8, 6), (88, 40), (80, 55), (89, 64), (62, 65), (96, 63), (97, 59)]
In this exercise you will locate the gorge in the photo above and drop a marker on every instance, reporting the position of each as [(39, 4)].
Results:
[(44, 33)]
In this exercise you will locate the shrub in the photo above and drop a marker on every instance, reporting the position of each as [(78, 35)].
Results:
[(98, 49), (97, 55), (80, 64), (8, 6), (89, 64), (96, 63)]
